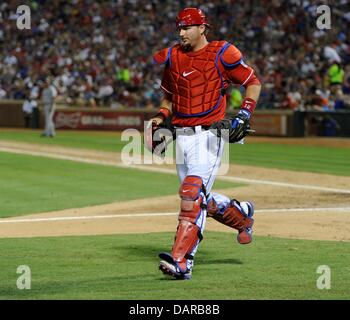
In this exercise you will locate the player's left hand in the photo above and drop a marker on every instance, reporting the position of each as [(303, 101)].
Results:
[(233, 129)]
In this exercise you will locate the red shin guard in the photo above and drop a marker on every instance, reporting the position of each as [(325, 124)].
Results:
[(187, 237), (188, 233)]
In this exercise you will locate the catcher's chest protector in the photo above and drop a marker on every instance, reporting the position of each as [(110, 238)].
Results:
[(196, 79)]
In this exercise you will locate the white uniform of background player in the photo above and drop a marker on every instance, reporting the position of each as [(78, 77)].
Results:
[(48, 98)]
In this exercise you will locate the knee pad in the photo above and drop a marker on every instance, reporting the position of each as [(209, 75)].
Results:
[(212, 208), (191, 194), (217, 203)]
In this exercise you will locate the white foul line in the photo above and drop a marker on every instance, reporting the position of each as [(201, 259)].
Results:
[(284, 184), (163, 214), (111, 216), (169, 171)]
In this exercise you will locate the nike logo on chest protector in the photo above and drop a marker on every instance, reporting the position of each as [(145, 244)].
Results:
[(185, 74)]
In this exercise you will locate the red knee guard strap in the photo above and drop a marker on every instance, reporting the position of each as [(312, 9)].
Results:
[(212, 208)]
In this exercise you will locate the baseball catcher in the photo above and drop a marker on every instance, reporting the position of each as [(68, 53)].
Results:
[(195, 77)]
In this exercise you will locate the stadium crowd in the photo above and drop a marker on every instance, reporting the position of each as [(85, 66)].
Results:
[(100, 53)]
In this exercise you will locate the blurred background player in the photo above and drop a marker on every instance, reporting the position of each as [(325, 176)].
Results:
[(49, 95), (196, 75)]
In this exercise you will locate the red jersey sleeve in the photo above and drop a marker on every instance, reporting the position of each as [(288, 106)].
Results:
[(165, 85), (236, 71), (162, 57)]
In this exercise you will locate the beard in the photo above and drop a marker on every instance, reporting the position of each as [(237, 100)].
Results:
[(185, 46)]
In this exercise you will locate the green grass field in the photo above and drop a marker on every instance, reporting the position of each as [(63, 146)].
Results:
[(316, 159), (125, 267), (32, 184), (72, 139)]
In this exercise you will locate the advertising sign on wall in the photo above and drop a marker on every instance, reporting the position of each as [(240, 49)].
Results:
[(270, 124), (98, 120)]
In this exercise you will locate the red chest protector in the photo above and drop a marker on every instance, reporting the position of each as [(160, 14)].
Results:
[(195, 78)]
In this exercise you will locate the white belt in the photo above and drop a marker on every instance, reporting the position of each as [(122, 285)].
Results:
[(189, 130)]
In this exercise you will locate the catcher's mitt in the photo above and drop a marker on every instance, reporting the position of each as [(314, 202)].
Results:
[(232, 130), (158, 137)]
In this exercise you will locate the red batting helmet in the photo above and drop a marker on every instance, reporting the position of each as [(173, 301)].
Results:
[(190, 17)]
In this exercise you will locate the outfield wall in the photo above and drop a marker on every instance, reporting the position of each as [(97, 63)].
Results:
[(281, 123)]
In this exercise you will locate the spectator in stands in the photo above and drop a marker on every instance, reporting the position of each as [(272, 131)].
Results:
[(2, 93), (346, 86), (235, 98), (294, 100), (105, 93), (331, 54), (335, 75), (335, 79), (89, 95), (330, 126), (27, 108), (320, 101)]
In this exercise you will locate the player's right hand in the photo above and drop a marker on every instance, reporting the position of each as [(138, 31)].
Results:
[(157, 121)]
